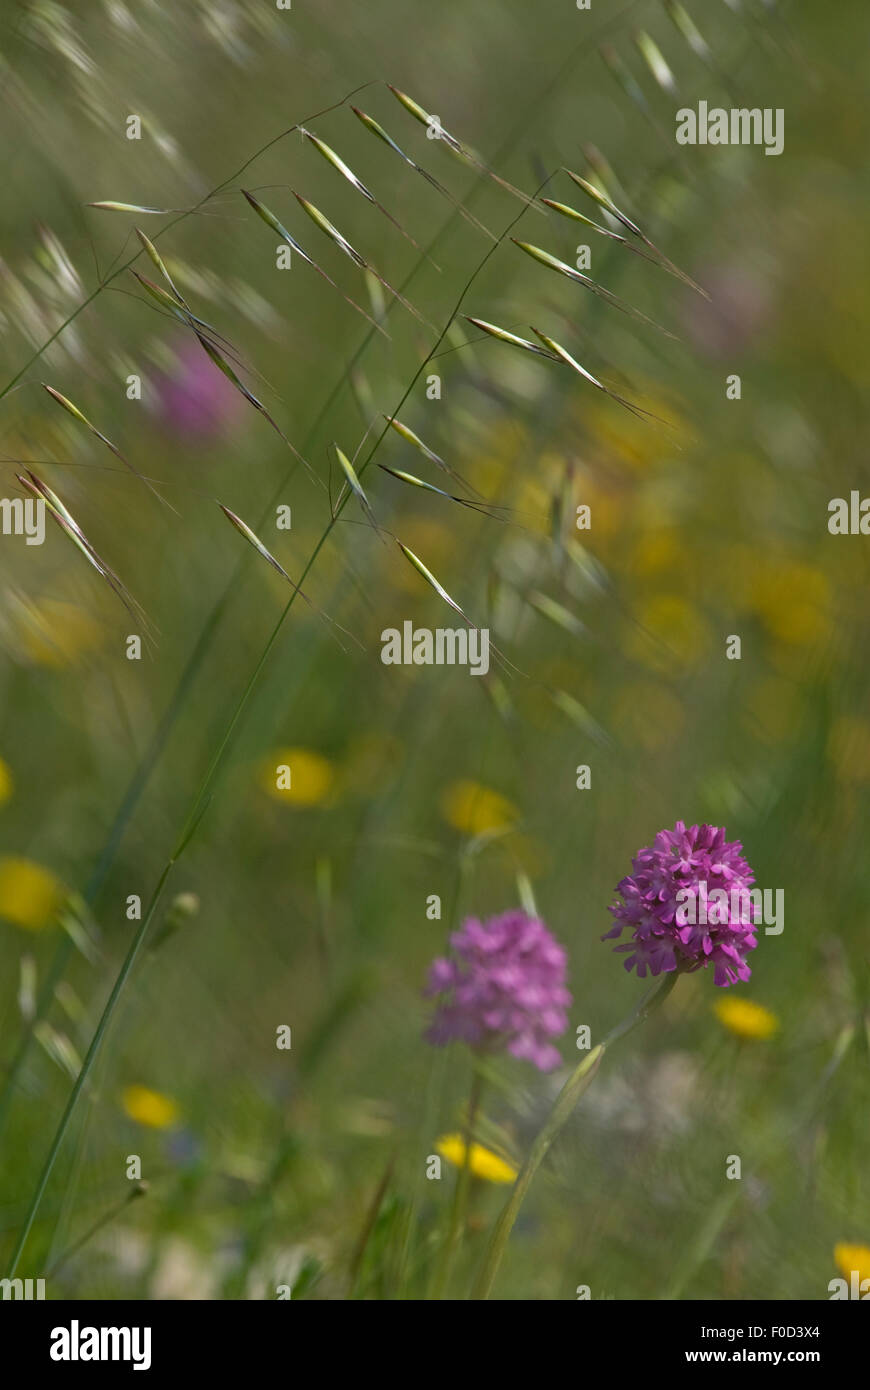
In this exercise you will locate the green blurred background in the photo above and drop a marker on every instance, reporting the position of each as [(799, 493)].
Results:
[(270, 1167)]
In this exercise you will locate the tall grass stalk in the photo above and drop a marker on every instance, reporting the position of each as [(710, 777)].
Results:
[(87, 1064), (577, 1084), (459, 1205)]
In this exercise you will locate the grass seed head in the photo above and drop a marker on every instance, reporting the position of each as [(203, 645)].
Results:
[(504, 336), (157, 260)]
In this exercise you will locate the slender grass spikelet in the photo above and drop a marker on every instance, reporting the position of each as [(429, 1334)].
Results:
[(157, 260), (655, 62), (65, 520), (272, 221), (553, 263), (417, 442), (564, 356), (686, 26), (486, 509), (457, 147), (174, 306), (557, 613), (223, 365), (346, 172), (329, 229), (432, 581), (603, 201), (254, 540), (406, 433), (74, 411), (134, 207), (377, 129), (355, 485), (565, 210), (504, 336)]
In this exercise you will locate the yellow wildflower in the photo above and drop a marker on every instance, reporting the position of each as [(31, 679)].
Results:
[(746, 1019), (149, 1108), (793, 601), (5, 782), (30, 896), (475, 810), (298, 776), (483, 1162), (853, 1257)]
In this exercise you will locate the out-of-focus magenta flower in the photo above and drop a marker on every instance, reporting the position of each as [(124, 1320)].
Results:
[(686, 903), (503, 987), (195, 399)]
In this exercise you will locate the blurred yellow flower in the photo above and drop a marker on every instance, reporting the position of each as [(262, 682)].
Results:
[(657, 550), (297, 775), (483, 1162), (853, 1257), (475, 810), (30, 896), (50, 632), (793, 601), (669, 631), (746, 1019), (148, 1107), (5, 782)]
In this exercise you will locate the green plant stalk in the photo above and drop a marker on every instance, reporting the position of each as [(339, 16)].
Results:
[(102, 1027), (703, 1242), (125, 811), (138, 1190), (87, 1064), (459, 1205), (237, 1282), (368, 1227), (578, 1082), (438, 1067)]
